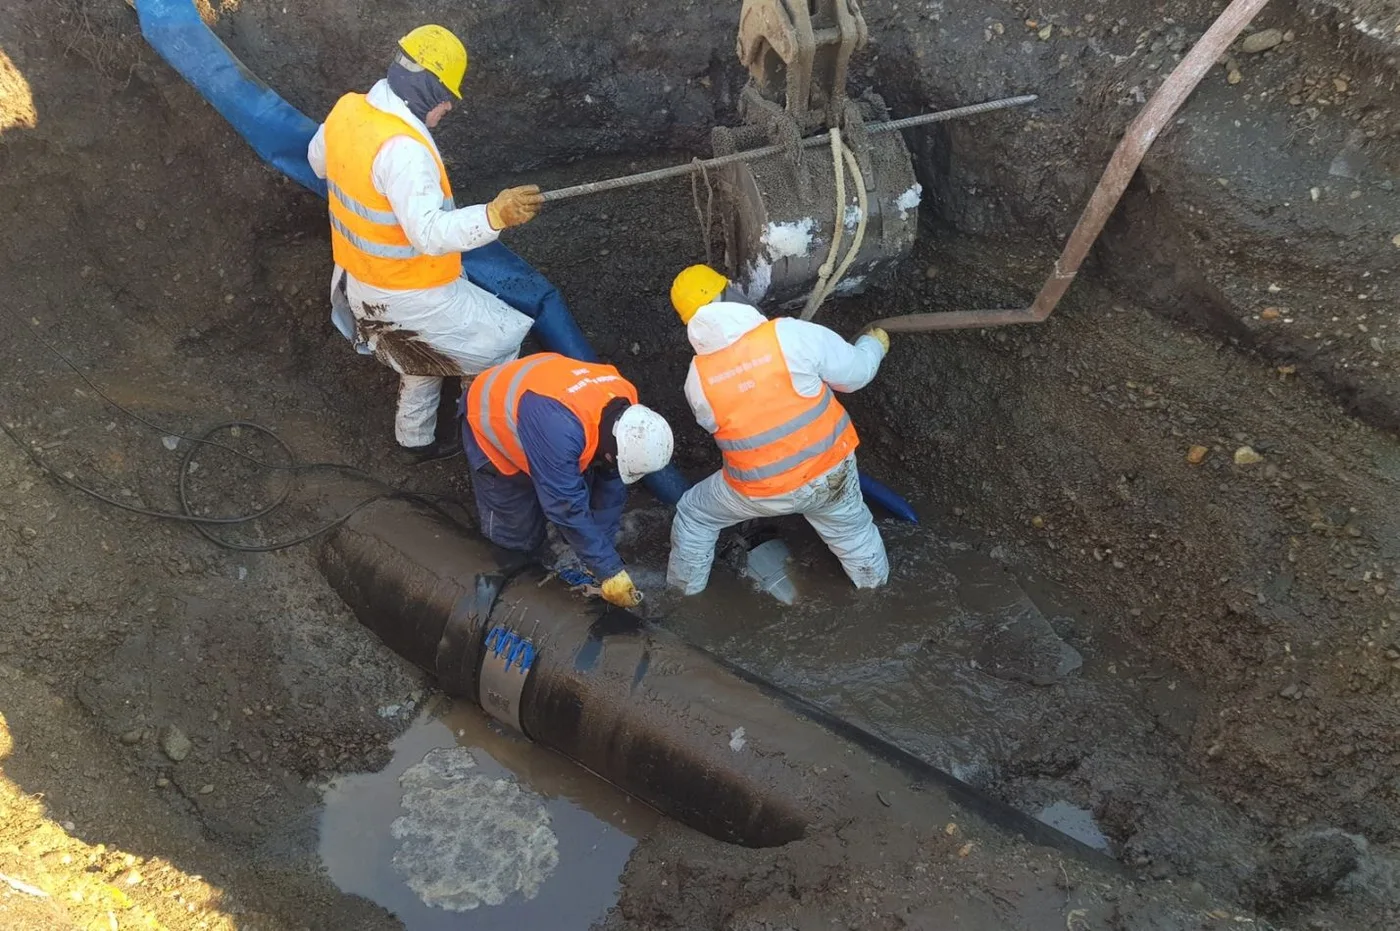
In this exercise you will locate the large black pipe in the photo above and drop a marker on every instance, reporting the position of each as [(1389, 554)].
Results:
[(655, 717), (638, 707)]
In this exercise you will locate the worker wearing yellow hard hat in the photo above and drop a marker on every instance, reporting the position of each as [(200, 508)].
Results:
[(397, 236), (695, 287), (438, 51), (766, 389)]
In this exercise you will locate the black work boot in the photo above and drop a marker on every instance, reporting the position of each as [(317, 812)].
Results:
[(434, 451)]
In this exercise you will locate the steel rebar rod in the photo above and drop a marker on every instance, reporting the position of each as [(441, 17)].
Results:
[(1138, 138), (677, 171)]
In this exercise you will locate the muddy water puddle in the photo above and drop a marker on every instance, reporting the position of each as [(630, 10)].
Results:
[(958, 660), (472, 829)]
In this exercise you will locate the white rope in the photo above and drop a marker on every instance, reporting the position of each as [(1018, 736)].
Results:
[(843, 160), (818, 294), (864, 206)]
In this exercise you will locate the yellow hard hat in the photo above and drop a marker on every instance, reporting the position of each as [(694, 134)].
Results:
[(695, 287), (440, 53)]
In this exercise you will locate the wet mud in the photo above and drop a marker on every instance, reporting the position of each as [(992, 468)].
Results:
[(1229, 727)]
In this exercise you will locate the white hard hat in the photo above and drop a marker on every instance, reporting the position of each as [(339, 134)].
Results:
[(644, 442)]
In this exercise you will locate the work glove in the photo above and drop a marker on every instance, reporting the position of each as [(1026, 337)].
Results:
[(881, 337), (514, 206), (620, 591)]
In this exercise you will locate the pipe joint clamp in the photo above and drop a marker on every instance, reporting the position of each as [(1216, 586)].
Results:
[(506, 664)]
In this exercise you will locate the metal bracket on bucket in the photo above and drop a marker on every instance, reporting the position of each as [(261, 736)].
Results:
[(798, 53), (506, 666)]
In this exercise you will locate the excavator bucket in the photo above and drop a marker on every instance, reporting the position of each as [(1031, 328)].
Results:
[(781, 216)]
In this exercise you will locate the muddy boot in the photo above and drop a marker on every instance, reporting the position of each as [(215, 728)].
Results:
[(433, 452)]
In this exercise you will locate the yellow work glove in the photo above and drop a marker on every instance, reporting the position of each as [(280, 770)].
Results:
[(514, 206), (880, 337), (620, 591)]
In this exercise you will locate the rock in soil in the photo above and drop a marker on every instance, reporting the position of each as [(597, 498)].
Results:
[(1261, 41), (175, 744), (1246, 455), (1306, 867)]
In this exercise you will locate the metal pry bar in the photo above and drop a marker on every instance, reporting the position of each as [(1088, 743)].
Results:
[(678, 171)]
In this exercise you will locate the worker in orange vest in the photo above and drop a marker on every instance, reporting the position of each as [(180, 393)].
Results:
[(764, 388), (554, 439), (397, 236)]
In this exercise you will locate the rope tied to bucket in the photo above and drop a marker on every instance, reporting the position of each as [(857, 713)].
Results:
[(706, 217), (843, 160)]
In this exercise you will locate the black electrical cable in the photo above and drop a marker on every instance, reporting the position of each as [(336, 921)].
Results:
[(204, 524)]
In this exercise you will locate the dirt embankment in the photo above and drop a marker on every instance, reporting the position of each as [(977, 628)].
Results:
[(145, 238)]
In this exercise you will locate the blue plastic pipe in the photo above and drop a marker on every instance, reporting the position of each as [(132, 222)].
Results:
[(280, 133)]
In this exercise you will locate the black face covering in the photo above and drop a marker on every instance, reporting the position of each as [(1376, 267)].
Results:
[(418, 88), (607, 441), (733, 294)]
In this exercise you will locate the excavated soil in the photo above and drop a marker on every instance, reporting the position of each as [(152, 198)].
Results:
[(1244, 295)]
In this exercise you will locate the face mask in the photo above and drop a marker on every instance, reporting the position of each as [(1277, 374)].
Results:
[(418, 88)]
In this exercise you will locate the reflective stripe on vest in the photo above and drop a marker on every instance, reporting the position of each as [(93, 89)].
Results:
[(384, 217), (795, 459), (482, 408), (773, 439), (584, 388), (366, 238)]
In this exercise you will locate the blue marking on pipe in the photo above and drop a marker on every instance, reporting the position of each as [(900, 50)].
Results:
[(514, 653), (280, 133), (506, 644), (576, 577)]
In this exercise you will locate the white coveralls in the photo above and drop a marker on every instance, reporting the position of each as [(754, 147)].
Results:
[(470, 327), (832, 502)]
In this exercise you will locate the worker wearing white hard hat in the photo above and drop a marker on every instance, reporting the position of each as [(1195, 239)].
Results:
[(555, 439), (766, 390), (397, 236)]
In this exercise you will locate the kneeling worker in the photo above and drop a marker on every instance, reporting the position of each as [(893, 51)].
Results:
[(552, 438), (764, 389)]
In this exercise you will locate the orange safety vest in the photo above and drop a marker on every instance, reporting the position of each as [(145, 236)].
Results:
[(773, 440), (585, 388), (366, 237)]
